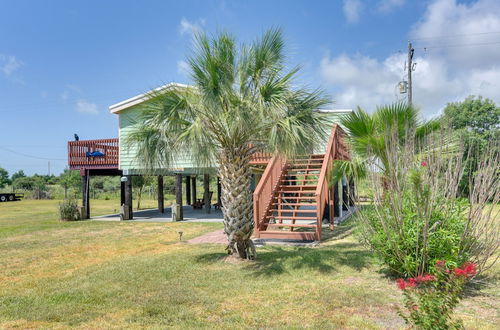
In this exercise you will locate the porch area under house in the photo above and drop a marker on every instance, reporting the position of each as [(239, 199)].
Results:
[(292, 199)]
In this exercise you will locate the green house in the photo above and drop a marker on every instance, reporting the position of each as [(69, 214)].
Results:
[(291, 198)]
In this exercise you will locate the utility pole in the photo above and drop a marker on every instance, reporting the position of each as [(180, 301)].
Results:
[(49, 168), (410, 68)]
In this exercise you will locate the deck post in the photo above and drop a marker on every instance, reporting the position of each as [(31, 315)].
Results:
[(331, 212), (161, 205), (188, 190), (352, 193), (128, 213), (345, 196), (85, 194), (206, 192), (193, 189), (178, 194), (122, 192), (336, 202), (219, 193)]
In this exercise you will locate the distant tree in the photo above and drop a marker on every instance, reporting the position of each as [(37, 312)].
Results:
[(479, 118), (69, 179), (4, 177), (140, 182), (477, 115), (18, 174), (35, 183)]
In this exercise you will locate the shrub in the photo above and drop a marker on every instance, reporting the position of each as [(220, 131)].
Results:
[(418, 217), (429, 300), (405, 248), (68, 210)]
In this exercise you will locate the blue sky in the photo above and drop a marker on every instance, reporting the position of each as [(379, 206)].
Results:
[(62, 63)]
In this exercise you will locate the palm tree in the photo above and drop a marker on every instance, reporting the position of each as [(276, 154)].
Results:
[(241, 100), (370, 134)]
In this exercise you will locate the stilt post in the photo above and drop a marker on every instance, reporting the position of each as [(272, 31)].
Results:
[(85, 194), (219, 192), (178, 194), (193, 189), (188, 190), (206, 192), (128, 213), (161, 201), (336, 202)]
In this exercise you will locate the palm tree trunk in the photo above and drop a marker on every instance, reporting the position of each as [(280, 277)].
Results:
[(237, 206)]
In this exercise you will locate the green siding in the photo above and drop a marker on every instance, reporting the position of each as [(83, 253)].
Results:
[(130, 117)]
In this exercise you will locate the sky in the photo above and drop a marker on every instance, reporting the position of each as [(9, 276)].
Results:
[(63, 63)]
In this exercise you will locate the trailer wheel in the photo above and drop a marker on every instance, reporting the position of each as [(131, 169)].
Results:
[(3, 199), (11, 198)]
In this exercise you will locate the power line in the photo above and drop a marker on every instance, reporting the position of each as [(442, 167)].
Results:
[(456, 35), (460, 45), (31, 156)]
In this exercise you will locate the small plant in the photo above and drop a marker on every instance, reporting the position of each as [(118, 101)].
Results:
[(68, 210), (431, 299)]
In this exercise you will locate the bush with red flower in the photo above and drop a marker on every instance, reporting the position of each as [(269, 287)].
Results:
[(431, 299)]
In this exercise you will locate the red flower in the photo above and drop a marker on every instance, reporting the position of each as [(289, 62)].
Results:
[(411, 282), (469, 269), (424, 163), (401, 283), (459, 272)]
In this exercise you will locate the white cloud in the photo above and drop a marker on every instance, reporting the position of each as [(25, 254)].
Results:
[(386, 6), (85, 106), (352, 10), (442, 75), (9, 64), (183, 68), (187, 27)]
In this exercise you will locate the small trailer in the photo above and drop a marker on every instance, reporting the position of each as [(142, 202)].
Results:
[(10, 197)]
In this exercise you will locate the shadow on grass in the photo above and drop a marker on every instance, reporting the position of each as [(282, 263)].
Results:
[(275, 260)]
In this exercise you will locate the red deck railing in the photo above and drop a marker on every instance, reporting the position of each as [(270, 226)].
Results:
[(79, 154), (336, 149), (265, 190)]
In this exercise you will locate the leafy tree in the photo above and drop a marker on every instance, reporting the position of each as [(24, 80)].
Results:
[(241, 100), (477, 115), (140, 181), (18, 174), (4, 177), (69, 179), (479, 119)]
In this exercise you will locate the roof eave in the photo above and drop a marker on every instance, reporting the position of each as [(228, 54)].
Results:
[(118, 107)]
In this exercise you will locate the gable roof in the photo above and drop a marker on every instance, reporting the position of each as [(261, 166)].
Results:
[(116, 108), (120, 106)]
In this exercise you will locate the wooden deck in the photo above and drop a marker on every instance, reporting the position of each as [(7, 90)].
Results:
[(93, 154)]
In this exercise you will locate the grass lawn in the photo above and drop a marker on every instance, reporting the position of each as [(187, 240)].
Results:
[(93, 274)]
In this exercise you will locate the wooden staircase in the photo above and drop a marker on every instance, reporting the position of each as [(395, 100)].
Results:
[(297, 194)]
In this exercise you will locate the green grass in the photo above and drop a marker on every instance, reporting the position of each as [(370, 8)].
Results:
[(92, 274)]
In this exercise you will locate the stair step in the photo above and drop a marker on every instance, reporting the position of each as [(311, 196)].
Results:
[(295, 165), (303, 170), (295, 204), (297, 197), (292, 217), (298, 180), (290, 225), (299, 186), (291, 211), (311, 191)]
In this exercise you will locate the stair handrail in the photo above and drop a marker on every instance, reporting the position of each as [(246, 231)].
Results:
[(321, 193), (266, 189)]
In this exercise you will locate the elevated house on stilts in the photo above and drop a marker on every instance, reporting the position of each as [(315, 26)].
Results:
[(292, 198)]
